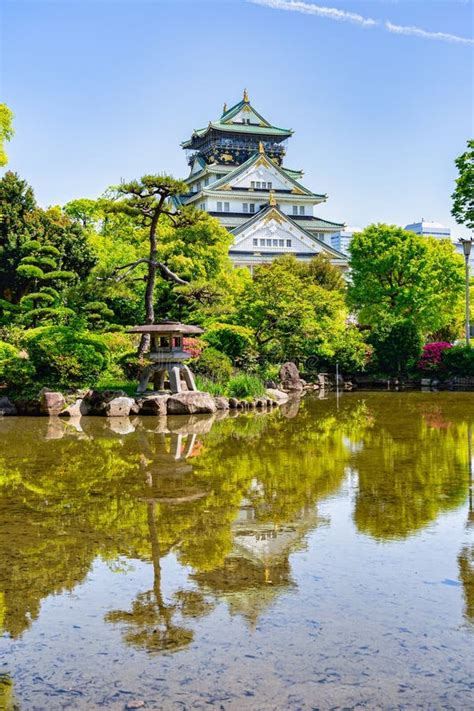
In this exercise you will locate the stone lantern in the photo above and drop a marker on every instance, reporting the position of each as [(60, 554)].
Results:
[(167, 355)]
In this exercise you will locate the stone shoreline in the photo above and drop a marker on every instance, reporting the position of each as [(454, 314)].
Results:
[(116, 403)]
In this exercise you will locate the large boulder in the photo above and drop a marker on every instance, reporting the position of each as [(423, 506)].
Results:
[(222, 403), (153, 405), (75, 409), (119, 407), (51, 403), (290, 378), (96, 401), (7, 407), (191, 403), (277, 396)]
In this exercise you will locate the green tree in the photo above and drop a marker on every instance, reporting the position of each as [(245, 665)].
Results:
[(291, 311), (463, 195), (37, 245), (6, 131), (397, 347), (398, 275), (148, 200)]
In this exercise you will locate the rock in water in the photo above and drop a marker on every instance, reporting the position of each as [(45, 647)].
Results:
[(191, 403), (7, 407), (222, 403), (76, 409), (153, 405), (51, 403), (277, 396), (119, 407), (290, 378)]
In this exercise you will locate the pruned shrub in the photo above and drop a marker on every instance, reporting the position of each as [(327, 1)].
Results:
[(213, 364), (65, 357)]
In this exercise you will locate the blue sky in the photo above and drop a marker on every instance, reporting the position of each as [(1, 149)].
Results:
[(107, 89)]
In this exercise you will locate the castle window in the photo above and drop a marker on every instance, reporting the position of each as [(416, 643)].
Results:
[(264, 186), (226, 207), (245, 206), (255, 242), (257, 184), (269, 185), (206, 180), (275, 243), (281, 242), (252, 184), (301, 209), (288, 242), (252, 207), (269, 243), (295, 209), (219, 207), (262, 243)]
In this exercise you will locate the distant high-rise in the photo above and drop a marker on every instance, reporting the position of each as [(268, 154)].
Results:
[(429, 229), (342, 239)]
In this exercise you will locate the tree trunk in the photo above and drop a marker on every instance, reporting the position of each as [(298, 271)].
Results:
[(150, 284)]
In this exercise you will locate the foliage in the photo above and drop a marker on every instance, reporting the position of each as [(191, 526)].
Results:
[(194, 346), (398, 275), (213, 364), (65, 357), (213, 387), (352, 353), (290, 313), (42, 252), (7, 352), (244, 385), (463, 196), (6, 131), (234, 341), (459, 361), (19, 375), (432, 357), (397, 347)]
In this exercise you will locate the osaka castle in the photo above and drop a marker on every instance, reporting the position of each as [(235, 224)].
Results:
[(237, 174)]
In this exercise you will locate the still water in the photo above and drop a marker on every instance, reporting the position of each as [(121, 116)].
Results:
[(318, 557)]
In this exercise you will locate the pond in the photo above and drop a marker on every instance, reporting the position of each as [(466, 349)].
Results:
[(317, 557)]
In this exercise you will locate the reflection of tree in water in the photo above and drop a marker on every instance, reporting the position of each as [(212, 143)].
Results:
[(411, 468), (7, 697), (466, 575), (232, 498), (151, 622)]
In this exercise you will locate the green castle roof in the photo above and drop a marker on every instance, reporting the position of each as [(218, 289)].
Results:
[(224, 123)]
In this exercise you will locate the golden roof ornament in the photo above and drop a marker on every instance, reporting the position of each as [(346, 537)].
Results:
[(261, 148), (246, 96), (271, 199)]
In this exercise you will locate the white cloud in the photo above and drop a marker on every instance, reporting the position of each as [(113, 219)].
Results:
[(418, 32), (333, 13), (307, 8)]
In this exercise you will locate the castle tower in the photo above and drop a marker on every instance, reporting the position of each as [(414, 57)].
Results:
[(237, 175)]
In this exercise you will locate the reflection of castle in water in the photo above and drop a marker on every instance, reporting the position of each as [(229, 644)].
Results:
[(258, 568)]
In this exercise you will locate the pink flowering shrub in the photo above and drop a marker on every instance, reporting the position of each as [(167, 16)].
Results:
[(193, 346), (432, 356)]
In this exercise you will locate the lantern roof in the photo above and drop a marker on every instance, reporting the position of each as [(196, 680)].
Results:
[(166, 327)]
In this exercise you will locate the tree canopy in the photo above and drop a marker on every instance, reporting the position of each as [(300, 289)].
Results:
[(6, 131), (398, 275), (463, 195)]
